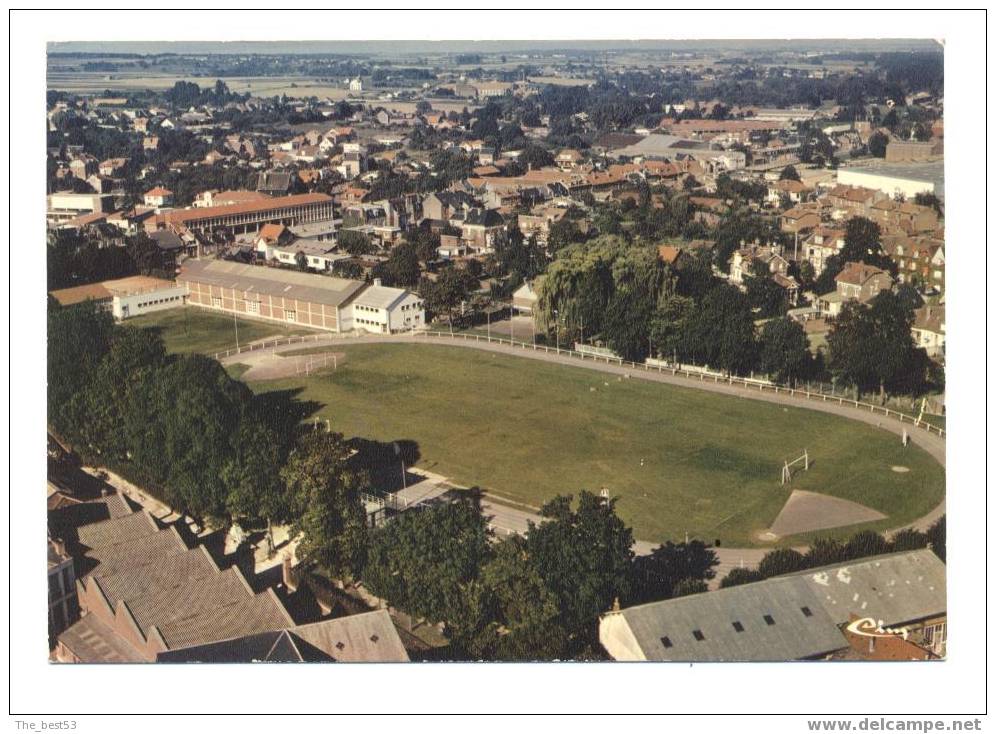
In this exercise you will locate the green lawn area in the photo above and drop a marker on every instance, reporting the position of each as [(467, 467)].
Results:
[(190, 329), (680, 459)]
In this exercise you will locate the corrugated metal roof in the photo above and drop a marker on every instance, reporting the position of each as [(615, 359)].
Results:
[(271, 281)]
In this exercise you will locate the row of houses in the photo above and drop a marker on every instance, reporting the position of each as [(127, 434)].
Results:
[(125, 587)]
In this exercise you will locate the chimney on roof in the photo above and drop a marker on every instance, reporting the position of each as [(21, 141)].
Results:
[(288, 573), (377, 281)]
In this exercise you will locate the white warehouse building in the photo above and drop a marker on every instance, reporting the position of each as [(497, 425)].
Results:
[(891, 185), (384, 310)]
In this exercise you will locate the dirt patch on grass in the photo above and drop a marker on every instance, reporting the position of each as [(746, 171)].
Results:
[(808, 511), (269, 366)]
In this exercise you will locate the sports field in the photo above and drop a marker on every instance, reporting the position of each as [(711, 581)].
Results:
[(190, 329), (680, 459)]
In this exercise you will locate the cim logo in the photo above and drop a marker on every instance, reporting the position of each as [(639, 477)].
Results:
[(868, 627)]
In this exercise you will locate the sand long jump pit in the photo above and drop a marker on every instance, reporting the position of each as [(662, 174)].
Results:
[(805, 512)]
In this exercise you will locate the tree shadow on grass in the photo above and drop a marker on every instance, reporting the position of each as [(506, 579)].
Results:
[(284, 412), (383, 461)]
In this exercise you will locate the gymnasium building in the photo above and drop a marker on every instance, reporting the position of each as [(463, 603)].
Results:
[(289, 296)]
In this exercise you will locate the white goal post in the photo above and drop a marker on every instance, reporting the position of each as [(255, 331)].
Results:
[(787, 469)]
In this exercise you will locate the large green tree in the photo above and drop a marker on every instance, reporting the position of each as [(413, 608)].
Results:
[(583, 553), (871, 348), (508, 612), (627, 323), (78, 338), (720, 332), (784, 350), (324, 498), (424, 561), (656, 576)]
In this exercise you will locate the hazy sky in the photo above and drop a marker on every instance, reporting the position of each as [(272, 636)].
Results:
[(486, 46)]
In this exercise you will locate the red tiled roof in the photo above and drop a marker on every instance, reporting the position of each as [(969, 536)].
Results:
[(250, 207)]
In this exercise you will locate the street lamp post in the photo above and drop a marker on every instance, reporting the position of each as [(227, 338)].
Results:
[(556, 318)]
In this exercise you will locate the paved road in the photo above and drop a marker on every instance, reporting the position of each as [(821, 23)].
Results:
[(510, 519)]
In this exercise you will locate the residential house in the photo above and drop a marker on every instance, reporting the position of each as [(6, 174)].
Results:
[(112, 166), (822, 243), (745, 261), (274, 183), (158, 197), (799, 219), (928, 329), (904, 216), (795, 191), (568, 159), (441, 205), (83, 166), (480, 228), (919, 260), (856, 282), (538, 222), (853, 201)]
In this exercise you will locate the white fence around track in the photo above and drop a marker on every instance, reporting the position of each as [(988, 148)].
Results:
[(281, 342), (694, 373), (697, 375)]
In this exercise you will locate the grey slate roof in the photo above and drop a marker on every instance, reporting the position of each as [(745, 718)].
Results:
[(270, 281), (369, 637), (792, 636), (380, 296), (895, 588)]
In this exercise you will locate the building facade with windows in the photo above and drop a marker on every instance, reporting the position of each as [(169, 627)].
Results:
[(294, 297), (250, 216)]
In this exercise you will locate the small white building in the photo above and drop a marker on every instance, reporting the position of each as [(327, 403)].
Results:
[(384, 310), (158, 197), (356, 85), (147, 300)]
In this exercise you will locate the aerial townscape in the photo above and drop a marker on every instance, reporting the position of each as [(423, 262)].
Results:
[(511, 351)]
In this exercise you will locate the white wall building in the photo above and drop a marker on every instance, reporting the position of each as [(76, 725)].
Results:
[(127, 305), (384, 310), (891, 185)]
